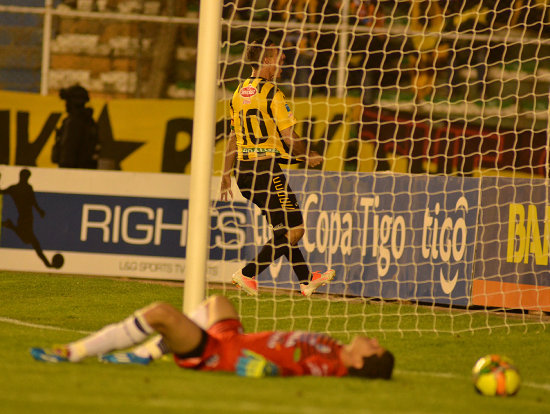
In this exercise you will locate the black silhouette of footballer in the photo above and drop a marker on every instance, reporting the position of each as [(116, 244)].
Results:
[(23, 196)]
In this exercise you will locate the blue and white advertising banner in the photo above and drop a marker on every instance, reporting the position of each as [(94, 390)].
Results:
[(387, 235), (516, 227), (390, 235), (108, 223), (512, 254)]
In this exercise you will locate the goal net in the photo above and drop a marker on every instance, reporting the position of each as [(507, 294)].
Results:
[(431, 204)]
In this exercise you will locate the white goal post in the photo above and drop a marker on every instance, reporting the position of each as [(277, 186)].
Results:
[(203, 142)]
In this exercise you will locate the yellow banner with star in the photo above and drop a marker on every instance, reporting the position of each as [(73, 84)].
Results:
[(143, 135)]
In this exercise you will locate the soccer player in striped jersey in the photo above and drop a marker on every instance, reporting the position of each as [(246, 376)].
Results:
[(262, 136), (214, 341)]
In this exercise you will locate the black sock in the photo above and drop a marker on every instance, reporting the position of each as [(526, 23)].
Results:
[(296, 259), (272, 250)]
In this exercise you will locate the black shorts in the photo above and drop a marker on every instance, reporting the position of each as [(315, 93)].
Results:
[(264, 183)]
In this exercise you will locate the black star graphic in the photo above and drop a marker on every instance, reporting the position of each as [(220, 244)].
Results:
[(116, 151)]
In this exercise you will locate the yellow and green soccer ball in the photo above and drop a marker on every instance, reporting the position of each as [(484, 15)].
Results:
[(496, 375)]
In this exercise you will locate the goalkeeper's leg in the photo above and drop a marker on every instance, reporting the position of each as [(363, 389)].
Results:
[(179, 333), (209, 311)]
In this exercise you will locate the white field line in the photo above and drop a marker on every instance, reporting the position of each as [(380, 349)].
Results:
[(454, 376), (404, 372), (37, 326)]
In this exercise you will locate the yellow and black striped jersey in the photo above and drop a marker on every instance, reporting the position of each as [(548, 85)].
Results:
[(258, 113)]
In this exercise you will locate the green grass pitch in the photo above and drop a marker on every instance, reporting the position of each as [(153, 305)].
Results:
[(432, 370)]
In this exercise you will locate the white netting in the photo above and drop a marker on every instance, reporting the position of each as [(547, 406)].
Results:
[(432, 117)]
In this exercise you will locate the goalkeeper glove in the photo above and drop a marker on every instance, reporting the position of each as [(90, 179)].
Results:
[(251, 364)]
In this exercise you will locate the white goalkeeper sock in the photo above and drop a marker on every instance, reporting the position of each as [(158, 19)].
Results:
[(131, 331), (154, 348)]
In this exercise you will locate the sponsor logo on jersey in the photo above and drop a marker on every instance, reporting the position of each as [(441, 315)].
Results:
[(288, 110), (248, 92), (212, 361)]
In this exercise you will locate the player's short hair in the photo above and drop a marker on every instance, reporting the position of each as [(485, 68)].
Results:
[(255, 52), (375, 366)]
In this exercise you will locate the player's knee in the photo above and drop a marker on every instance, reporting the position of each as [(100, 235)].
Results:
[(294, 235), (216, 299), (221, 308), (160, 314)]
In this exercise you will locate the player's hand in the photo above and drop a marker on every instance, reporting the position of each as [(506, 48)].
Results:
[(314, 159), (251, 364), (226, 193)]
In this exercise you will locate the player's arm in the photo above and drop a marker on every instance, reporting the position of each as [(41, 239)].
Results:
[(285, 122), (230, 155), (298, 146)]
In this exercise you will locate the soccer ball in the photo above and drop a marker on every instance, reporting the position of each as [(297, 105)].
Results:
[(496, 375)]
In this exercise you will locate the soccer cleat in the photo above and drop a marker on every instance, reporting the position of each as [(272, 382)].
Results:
[(53, 355), (317, 279), (248, 284), (124, 358)]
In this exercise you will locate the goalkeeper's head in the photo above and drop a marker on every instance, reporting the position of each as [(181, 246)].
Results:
[(266, 58), (364, 357)]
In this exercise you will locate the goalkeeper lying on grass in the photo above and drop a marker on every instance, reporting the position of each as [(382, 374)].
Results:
[(212, 339)]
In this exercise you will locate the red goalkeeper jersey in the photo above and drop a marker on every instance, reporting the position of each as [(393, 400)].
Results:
[(294, 353)]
